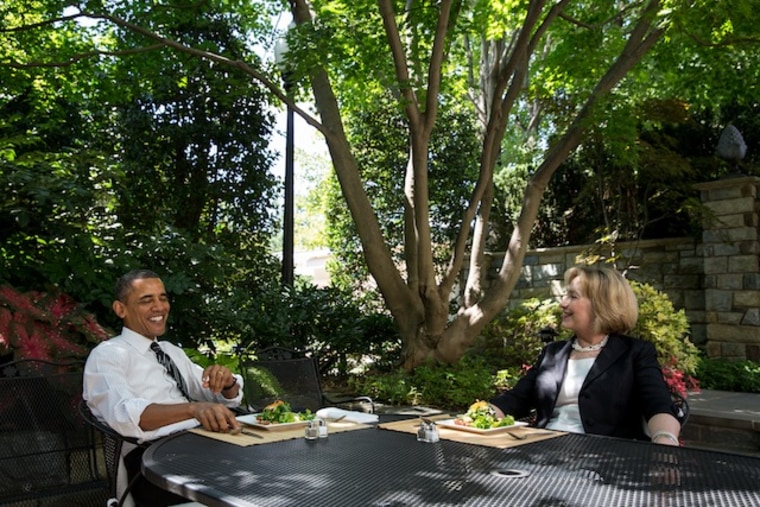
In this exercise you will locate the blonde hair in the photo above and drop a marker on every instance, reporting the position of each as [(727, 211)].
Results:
[(612, 299)]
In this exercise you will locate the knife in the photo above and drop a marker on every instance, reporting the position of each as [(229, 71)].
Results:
[(241, 431)]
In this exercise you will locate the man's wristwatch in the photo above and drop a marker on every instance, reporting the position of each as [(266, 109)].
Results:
[(234, 383)]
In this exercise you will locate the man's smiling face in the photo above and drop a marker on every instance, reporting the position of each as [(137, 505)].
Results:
[(146, 307)]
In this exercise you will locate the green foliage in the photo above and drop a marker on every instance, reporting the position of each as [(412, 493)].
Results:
[(327, 323), (206, 358), (634, 172), (153, 160), (512, 340), (161, 160), (508, 377), (724, 375), (260, 384), (666, 328), (395, 387), (453, 387)]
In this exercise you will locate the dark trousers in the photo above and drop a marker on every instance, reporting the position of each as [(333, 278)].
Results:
[(144, 492)]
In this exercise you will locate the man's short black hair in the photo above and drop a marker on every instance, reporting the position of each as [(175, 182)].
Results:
[(124, 284)]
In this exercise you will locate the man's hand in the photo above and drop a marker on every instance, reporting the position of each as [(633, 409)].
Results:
[(217, 378), (215, 417)]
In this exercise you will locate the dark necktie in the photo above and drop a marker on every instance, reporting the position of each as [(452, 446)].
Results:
[(171, 368)]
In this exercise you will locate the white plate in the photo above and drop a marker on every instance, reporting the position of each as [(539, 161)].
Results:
[(252, 420), (449, 423)]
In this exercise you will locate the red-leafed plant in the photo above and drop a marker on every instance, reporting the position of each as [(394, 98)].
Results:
[(46, 325), (678, 381)]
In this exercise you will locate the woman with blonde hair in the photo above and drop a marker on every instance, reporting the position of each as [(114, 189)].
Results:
[(600, 381)]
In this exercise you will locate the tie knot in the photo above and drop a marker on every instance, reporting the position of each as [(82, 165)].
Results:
[(155, 347)]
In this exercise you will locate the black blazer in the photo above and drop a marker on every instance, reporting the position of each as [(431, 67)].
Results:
[(624, 387)]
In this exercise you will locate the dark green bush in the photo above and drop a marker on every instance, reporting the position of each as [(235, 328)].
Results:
[(452, 387), (723, 375), (328, 323)]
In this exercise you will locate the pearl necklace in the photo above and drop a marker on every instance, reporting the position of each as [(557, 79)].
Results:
[(590, 348)]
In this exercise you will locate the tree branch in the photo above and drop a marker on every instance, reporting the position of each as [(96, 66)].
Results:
[(435, 68), (84, 56), (388, 16)]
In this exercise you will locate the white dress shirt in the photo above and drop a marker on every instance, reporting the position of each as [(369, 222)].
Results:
[(122, 377)]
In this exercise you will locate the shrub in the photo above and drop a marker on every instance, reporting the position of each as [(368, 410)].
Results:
[(46, 325), (720, 374), (328, 323), (453, 387), (512, 339), (395, 388), (666, 328), (507, 378)]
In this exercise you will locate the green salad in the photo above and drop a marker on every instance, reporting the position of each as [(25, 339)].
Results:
[(280, 412), (480, 415)]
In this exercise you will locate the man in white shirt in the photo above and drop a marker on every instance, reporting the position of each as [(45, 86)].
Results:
[(128, 387)]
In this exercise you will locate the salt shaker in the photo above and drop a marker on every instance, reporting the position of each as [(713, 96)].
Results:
[(427, 433), (312, 430), (322, 428)]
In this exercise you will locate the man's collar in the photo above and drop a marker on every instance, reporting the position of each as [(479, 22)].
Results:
[(136, 340)]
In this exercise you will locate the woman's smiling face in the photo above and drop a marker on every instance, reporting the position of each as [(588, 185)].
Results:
[(146, 307), (577, 313)]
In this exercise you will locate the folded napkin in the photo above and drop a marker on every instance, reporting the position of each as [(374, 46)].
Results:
[(350, 415)]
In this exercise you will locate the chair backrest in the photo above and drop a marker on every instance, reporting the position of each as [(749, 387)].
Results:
[(45, 446), (112, 444), (280, 373)]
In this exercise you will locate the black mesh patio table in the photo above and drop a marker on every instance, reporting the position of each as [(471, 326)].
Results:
[(377, 467)]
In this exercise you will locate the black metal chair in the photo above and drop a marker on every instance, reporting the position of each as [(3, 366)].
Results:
[(113, 443), (682, 408), (281, 373), (47, 452)]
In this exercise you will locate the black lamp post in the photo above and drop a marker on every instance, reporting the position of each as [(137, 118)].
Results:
[(280, 50)]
